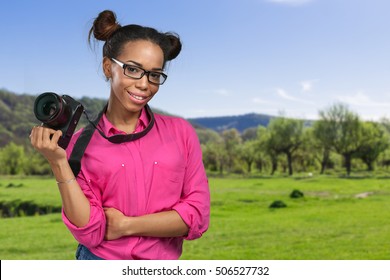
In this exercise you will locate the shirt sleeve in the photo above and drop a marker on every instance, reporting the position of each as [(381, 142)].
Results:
[(92, 234), (194, 205)]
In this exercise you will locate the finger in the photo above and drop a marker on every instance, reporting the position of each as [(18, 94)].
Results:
[(47, 137), (31, 133), (40, 136), (56, 136), (36, 136), (46, 133)]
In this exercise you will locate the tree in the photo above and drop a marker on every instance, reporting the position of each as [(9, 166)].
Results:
[(285, 136), (269, 148), (207, 135), (249, 134), (35, 164), (231, 142), (374, 141), (214, 153), (12, 157), (346, 132), (323, 133), (248, 153), (306, 156)]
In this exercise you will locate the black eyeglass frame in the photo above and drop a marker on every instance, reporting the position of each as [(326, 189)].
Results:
[(144, 72)]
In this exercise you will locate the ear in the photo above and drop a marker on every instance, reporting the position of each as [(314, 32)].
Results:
[(107, 67)]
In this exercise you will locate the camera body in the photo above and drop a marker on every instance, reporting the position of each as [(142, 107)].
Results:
[(59, 113)]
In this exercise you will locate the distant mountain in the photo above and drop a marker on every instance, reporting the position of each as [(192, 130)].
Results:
[(240, 123)]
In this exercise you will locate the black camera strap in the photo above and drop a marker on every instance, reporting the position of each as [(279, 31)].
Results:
[(86, 135)]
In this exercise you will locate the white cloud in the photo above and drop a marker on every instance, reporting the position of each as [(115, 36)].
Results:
[(307, 85), (291, 2), (362, 100), (222, 92), (258, 100), (282, 93)]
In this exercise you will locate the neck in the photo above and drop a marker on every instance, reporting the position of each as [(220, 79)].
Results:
[(121, 118)]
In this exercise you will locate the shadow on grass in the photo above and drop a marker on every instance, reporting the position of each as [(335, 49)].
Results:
[(19, 208)]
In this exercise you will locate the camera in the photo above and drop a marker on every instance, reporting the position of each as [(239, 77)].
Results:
[(59, 113)]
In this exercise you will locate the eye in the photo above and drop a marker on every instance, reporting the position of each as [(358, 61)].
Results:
[(155, 75), (132, 69)]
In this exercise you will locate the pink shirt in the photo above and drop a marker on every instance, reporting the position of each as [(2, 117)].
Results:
[(160, 171)]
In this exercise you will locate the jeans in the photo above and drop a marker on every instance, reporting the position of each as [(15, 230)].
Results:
[(82, 253)]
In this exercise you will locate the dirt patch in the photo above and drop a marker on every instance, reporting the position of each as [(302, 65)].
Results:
[(364, 195)]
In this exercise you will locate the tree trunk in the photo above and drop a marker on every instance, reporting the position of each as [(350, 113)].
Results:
[(370, 165), (220, 168), (348, 163), (274, 167), (324, 161), (249, 162), (259, 166), (323, 167), (289, 162)]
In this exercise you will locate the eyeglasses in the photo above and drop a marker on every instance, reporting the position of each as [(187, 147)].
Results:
[(136, 72)]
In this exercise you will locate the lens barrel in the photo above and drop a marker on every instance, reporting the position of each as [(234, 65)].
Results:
[(52, 110)]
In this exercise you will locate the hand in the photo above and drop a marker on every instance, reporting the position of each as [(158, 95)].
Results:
[(45, 141), (115, 224)]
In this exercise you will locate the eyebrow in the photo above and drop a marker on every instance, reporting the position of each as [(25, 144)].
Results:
[(140, 65)]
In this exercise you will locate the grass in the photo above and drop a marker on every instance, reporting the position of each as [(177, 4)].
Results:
[(42, 191), (328, 223), (36, 238)]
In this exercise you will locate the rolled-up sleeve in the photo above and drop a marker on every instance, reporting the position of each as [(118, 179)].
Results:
[(92, 234), (194, 205)]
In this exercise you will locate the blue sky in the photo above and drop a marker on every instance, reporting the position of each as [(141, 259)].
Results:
[(290, 57)]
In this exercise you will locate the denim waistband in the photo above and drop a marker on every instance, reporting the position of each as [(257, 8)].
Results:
[(83, 253)]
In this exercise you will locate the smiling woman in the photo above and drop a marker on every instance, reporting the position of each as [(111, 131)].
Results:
[(141, 197)]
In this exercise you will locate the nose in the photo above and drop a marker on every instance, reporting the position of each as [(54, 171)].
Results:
[(143, 82)]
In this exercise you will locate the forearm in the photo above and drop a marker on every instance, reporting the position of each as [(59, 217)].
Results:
[(162, 224), (75, 204)]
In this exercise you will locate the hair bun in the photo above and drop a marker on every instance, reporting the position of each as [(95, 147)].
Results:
[(175, 47), (104, 26)]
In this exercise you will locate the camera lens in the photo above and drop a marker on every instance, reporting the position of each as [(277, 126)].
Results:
[(52, 110), (49, 109)]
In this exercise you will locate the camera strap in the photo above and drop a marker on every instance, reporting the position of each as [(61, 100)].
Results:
[(86, 135)]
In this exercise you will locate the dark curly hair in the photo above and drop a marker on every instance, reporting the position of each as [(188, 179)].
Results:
[(106, 28)]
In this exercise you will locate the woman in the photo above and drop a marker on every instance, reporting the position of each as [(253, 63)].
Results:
[(135, 199)]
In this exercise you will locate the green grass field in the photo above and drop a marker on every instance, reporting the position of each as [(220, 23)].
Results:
[(328, 223)]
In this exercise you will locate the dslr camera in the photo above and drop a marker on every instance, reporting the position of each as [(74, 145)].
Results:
[(59, 113)]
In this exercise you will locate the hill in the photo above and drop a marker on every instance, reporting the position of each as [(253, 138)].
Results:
[(240, 122), (17, 115), (15, 119)]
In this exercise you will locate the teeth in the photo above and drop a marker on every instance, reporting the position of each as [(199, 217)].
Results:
[(138, 97)]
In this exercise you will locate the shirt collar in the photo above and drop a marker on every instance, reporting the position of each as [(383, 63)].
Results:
[(109, 129)]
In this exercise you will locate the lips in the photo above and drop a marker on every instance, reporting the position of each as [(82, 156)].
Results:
[(137, 97)]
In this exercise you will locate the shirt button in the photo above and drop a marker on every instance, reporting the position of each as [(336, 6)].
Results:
[(155, 162)]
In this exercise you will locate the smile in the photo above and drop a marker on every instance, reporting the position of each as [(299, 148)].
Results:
[(138, 97)]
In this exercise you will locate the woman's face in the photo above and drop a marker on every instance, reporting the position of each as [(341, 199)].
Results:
[(128, 93)]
